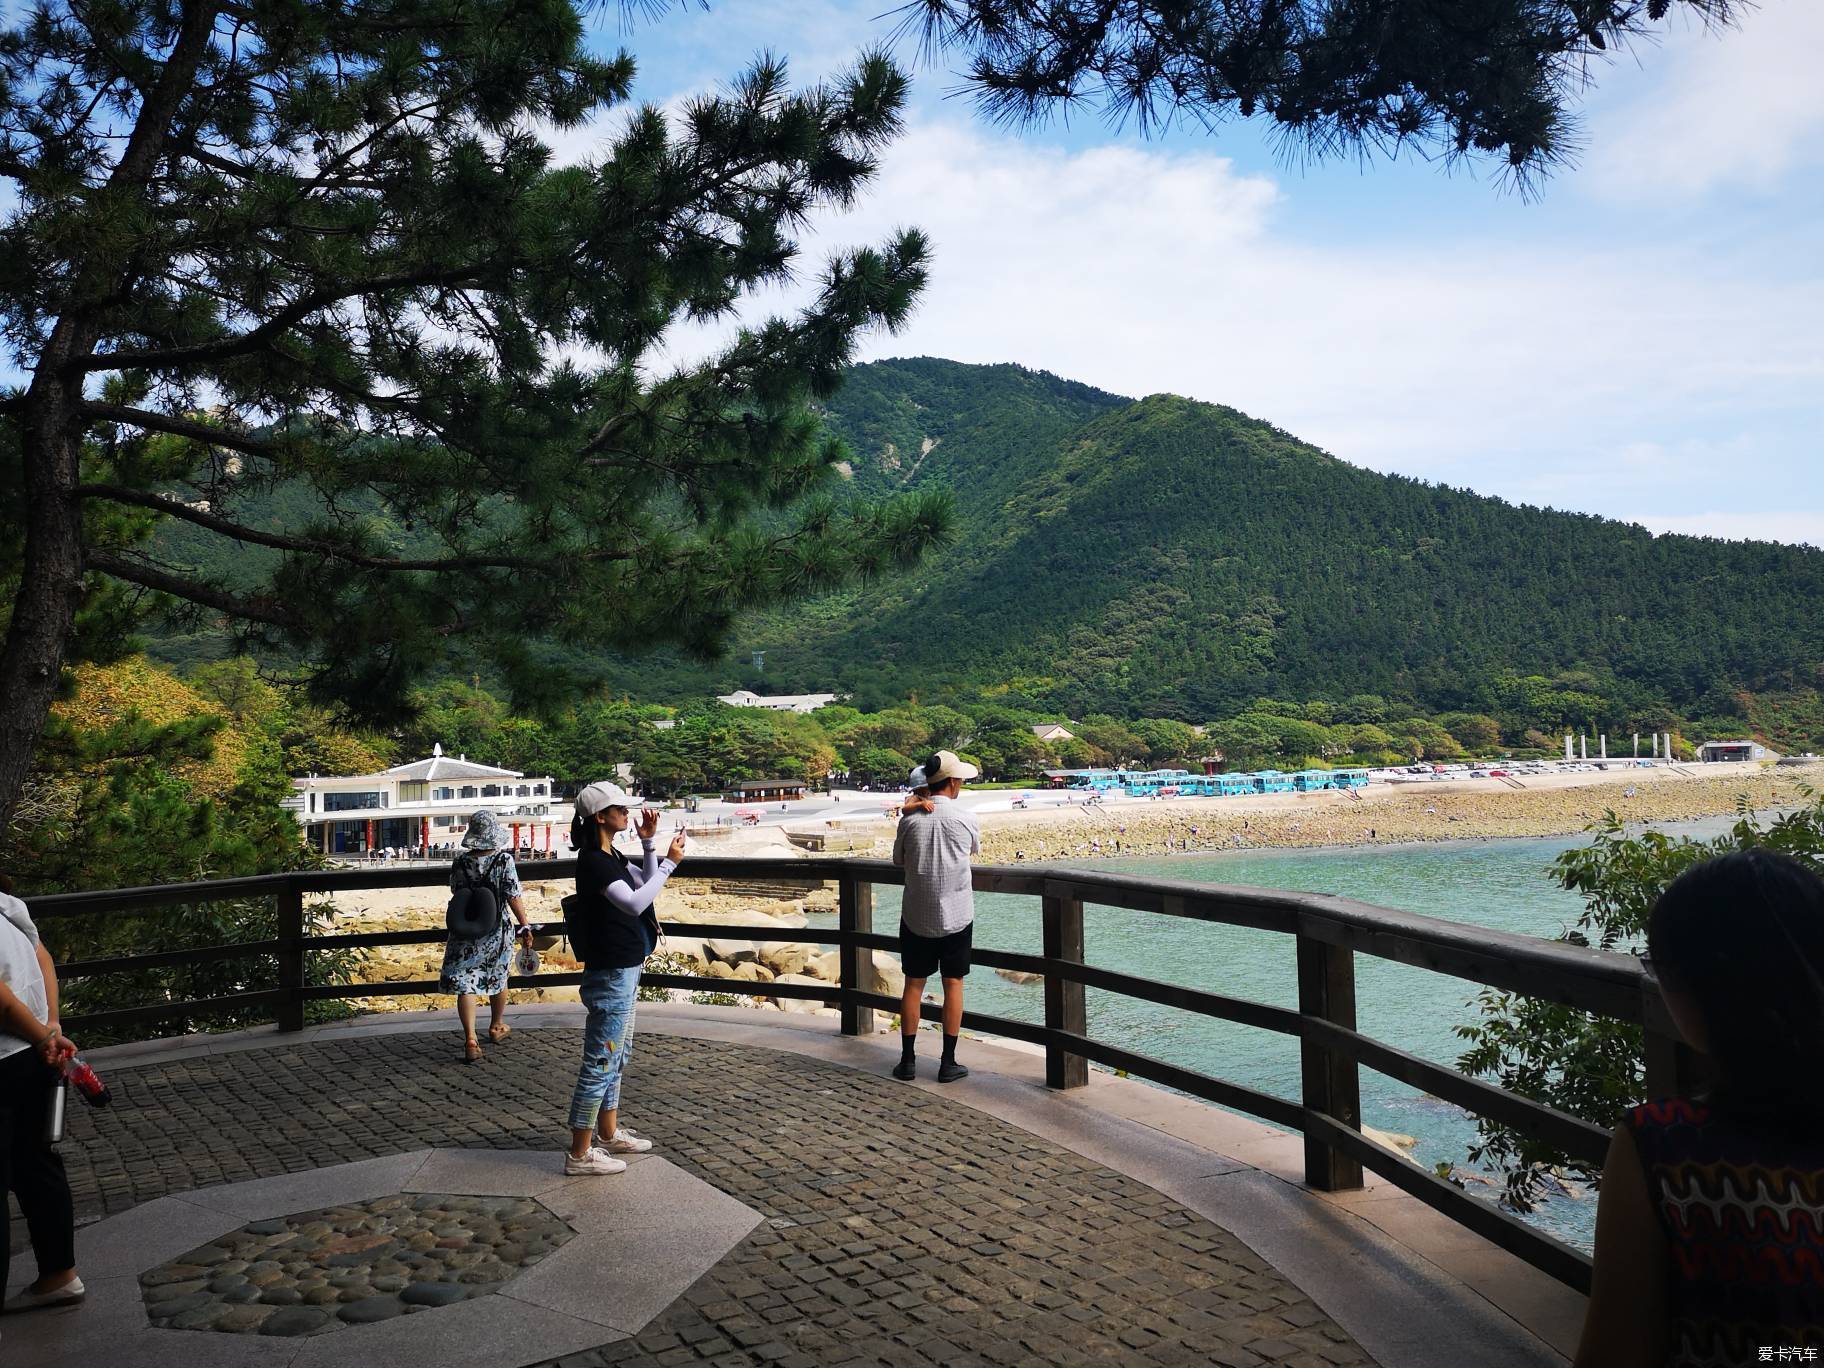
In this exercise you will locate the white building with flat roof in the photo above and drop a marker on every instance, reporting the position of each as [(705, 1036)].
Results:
[(425, 804), (798, 703)]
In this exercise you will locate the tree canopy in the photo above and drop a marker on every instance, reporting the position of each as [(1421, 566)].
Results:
[(1452, 78), (324, 250)]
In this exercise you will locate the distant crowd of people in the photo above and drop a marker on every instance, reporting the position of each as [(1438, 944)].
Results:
[(1710, 1226)]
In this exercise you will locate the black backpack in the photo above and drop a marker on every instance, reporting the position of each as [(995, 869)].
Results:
[(582, 916), (474, 912)]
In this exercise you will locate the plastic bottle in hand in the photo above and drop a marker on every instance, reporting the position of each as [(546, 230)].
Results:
[(87, 1082)]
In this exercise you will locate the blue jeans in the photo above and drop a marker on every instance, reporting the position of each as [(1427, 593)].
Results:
[(607, 1041)]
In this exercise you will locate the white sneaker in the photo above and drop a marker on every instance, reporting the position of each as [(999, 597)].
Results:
[(626, 1142), (72, 1291), (596, 1161)]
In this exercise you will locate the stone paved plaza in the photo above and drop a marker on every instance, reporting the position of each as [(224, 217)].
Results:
[(899, 1226)]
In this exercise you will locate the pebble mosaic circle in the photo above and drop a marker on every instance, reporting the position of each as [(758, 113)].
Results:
[(355, 1264)]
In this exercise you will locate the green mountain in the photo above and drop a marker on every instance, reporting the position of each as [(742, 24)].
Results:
[(1167, 557), (1162, 557)]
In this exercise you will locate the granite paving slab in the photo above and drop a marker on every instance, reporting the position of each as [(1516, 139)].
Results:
[(895, 1224), (519, 1173)]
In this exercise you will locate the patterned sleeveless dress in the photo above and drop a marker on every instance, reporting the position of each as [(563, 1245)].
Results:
[(1743, 1212), (481, 966)]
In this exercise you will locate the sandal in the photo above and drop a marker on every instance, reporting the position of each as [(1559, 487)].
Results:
[(500, 1032), (471, 1052)]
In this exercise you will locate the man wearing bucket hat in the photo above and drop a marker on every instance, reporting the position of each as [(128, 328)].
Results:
[(618, 900), (937, 916)]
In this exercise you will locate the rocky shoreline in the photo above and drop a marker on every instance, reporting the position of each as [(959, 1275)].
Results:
[(800, 963)]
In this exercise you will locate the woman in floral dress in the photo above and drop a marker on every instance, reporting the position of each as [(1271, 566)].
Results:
[(479, 966)]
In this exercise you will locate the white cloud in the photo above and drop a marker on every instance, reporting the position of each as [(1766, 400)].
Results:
[(1560, 373), (1737, 108)]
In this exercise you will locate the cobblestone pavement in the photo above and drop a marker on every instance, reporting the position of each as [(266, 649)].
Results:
[(903, 1228)]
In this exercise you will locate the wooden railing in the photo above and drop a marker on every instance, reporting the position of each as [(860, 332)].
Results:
[(1327, 933)]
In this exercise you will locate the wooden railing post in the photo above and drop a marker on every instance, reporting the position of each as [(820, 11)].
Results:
[(291, 956), (1064, 1009), (1331, 1080), (855, 913)]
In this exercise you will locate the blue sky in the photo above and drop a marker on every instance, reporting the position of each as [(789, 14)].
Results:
[(1641, 340)]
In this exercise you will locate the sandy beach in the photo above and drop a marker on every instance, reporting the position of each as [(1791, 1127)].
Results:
[(1385, 814)]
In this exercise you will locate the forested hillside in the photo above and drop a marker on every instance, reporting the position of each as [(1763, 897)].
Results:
[(1165, 558), (1172, 558)]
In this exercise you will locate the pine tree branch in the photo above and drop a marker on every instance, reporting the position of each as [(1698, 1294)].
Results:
[(148, 577), (242, 343), (310, 546), (178, 427), (241, 170)]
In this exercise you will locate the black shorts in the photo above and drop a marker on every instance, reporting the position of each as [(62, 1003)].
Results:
[(922, 956)]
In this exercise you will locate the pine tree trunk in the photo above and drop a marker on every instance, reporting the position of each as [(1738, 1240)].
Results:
[(50, 585)]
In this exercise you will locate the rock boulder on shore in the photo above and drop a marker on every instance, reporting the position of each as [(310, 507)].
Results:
[(787, 959), (796, 1004)]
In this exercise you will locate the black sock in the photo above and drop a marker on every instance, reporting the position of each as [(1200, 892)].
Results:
[(950, 1049), (906, 1045)]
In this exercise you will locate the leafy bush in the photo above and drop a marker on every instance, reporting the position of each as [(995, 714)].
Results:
[(187, 926), (1587, 1065), (664, 962), (670, 962), (141, 780)]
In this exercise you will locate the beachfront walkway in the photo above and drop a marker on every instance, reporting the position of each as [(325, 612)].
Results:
[(897, 1224)]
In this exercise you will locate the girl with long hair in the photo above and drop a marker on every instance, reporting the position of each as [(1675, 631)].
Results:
[(625, 930), (1710, 1230)]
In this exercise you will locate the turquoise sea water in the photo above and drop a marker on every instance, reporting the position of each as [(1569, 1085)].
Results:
[(1498, 884)]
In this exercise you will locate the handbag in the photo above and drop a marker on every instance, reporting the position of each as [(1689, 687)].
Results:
[(473, 912), (579, 926)]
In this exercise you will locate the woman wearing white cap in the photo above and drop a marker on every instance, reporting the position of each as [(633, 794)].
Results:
[(624, 930)]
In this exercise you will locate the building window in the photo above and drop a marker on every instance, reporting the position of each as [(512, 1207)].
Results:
[(490, 790), (350, 802), (444, 794), (468, 790), (538, 790)]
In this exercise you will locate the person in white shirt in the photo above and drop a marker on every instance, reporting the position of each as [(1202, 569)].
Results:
[(933, 843), (33, 1051)]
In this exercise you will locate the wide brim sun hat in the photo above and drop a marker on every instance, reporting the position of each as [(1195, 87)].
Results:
[(485, 833), (603, 794), (948, 767)]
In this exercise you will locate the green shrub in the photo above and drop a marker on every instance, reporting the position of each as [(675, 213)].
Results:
[(1587, 1065), (97, 935)]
